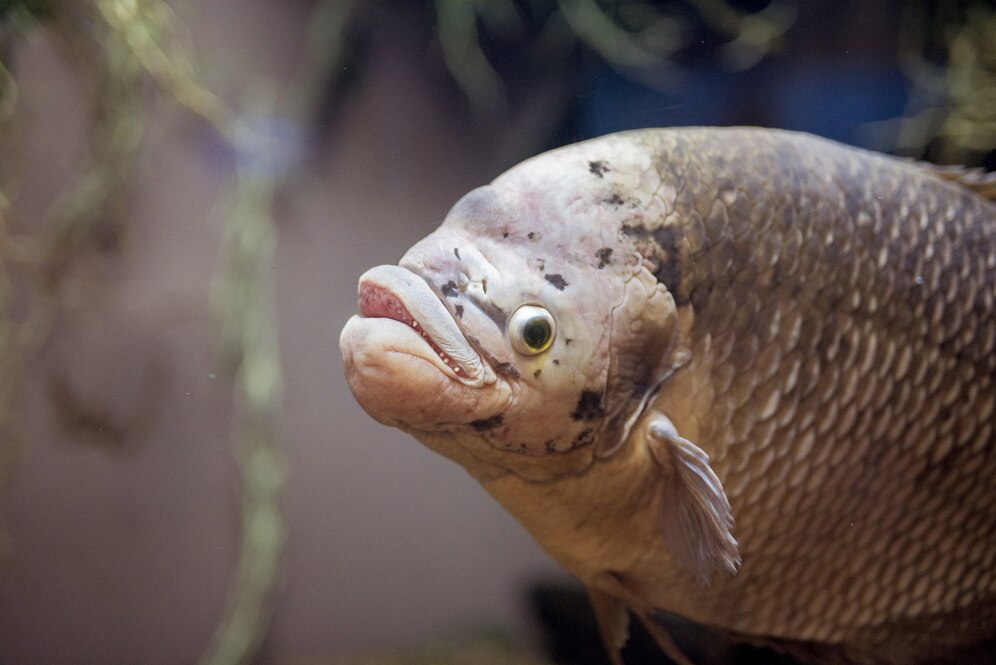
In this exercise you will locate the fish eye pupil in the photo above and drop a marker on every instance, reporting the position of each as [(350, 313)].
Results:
[(536, 332), (531, 330)]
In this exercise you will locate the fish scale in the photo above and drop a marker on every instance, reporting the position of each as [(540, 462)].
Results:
[(774, 339)]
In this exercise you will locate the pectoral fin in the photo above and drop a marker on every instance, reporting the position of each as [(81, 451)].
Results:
[(695, 512)]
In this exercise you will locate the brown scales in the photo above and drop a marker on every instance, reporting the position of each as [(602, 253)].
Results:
[(843, 347)]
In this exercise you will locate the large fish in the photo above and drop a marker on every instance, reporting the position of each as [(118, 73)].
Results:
[(741, 375)]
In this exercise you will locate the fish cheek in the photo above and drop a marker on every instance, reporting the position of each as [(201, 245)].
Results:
[(644, 337)]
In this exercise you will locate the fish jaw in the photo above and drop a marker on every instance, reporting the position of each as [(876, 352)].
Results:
[(406, 360)]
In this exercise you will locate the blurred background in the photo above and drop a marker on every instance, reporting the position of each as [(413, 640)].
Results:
[(188, 193)]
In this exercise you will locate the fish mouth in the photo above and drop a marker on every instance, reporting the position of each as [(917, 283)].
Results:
[(393, 292)]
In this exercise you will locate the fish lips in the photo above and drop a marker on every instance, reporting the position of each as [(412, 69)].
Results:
[(404, 354), (393, 292)]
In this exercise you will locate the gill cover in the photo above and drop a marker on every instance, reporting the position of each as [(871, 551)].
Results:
[(644, 338)]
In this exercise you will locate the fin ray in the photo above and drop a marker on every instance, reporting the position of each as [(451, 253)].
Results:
[(696, 514)]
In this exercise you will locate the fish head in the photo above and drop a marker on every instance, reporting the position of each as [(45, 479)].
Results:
[(517, 334)]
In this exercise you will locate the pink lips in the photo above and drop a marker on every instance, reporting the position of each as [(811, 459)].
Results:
[(376, 302)]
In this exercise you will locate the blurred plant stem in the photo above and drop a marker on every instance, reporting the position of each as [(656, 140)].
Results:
[(11, 360), (244, 303), (637, 38), (10, 375), (457, 24), (115, 46), (93, 210)]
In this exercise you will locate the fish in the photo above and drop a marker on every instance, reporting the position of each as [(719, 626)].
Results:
[(741, 375)]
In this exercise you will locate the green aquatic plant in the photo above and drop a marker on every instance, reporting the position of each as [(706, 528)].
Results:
[(637, 38), (949, 57), (118, 45)]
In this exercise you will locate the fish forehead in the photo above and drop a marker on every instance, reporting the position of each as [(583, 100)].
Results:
[(552, 196), (558, 219)]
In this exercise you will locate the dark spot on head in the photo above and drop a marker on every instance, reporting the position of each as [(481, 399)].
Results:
[(635, 231), (556, 362), (459, 311), (537, 373), (589, 406), (492, 311), (556, 280), (523, 446), (505, 234), (488, 423), (534, 235), (667, 237), (583, 438), (661, 248), (568, 340), (615, 200), (604, 257), (450, 289), (506, 369), (456, 252), (598, 168), (668, 270), (548, 446)]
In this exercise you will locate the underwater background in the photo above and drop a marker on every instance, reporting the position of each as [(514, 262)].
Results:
[(188, 193)]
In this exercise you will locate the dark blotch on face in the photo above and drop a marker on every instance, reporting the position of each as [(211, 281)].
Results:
[(583, 438), (456, 252), (604, 257), (635, 231), (598, 168), (668, 271), (615, 200), (450, 289), (492, 311), (534, 235), (548, 445), (488, 423), (662, 248), (589, 406), (537, 373), (506, 369), (459, 311), (557, 280)]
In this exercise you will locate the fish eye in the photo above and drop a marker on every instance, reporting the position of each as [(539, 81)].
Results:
[(531, 330)]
